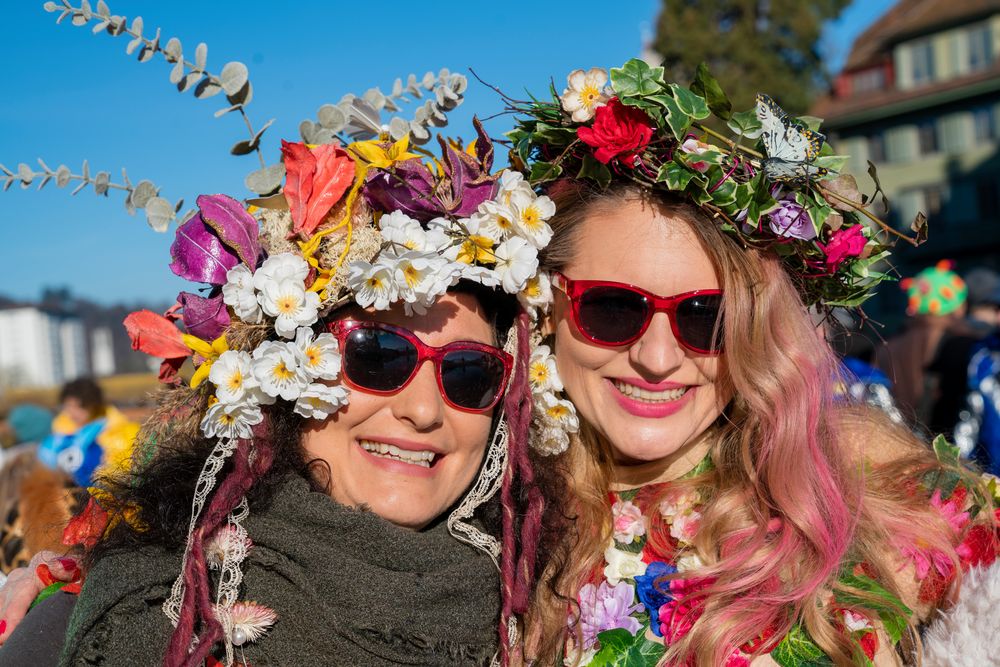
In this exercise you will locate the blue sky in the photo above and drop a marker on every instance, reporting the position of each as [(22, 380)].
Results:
[(69, 95)]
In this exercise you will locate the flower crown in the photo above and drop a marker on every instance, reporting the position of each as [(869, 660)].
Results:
[(770, 182)]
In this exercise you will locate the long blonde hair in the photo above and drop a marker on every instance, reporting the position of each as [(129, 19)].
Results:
[(788, 500)]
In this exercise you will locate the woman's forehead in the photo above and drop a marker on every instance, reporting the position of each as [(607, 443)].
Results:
[(454, 316), (635, 242)]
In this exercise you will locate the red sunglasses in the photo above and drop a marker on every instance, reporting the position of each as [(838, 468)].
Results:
[(615, 314), (382, 359)]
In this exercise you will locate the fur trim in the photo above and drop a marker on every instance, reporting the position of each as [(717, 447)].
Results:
[(967, 634)]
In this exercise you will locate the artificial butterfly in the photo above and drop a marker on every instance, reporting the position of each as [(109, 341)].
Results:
[(790, 146)]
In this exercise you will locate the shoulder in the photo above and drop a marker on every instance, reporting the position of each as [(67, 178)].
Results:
[(867, 436)]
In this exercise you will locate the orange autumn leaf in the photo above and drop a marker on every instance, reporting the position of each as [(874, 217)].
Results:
[(316, 179), (87, 527)]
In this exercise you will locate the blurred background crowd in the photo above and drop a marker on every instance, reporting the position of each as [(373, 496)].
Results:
[(910, 86)]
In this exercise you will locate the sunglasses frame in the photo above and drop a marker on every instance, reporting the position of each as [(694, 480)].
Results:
[(575, 289), (341, 329)]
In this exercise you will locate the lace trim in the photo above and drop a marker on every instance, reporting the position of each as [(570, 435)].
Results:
[(487, 483)]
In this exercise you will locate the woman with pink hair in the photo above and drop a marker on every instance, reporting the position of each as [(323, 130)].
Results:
[(729, 511)]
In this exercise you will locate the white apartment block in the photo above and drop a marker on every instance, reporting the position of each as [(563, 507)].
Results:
[(40, 349)]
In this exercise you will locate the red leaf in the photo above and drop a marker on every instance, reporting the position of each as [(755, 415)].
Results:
[(300, 168), (87, 527), (155, 335), (169, 369), (334, 175)]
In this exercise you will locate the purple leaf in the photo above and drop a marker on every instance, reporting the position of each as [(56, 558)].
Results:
[(408, 187), (200, 255), (237, 228), (204, 318)]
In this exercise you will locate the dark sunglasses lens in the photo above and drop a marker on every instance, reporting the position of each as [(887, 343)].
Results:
[(377, 359), (696, 321), (471, 379), (612, 314)]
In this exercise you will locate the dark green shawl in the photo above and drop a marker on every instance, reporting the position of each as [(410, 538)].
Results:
[(349, 588)]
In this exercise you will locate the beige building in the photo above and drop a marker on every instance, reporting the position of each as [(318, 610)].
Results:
[(919, 97)]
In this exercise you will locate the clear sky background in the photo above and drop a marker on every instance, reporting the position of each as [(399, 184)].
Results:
[(68, 94)]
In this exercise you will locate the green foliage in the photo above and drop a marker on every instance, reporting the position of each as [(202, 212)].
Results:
[(754, 47), (636, 78), (619, 648), (890, 609), (705, 84), (798, 649)]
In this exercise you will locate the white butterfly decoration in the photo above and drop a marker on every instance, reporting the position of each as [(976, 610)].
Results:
[(790, 146)]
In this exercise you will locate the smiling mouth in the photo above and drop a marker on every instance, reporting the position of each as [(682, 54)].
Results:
[(647, 396), (424, 459)]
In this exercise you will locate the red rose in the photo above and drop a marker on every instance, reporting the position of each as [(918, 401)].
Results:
[(844, 243), (618, 132)]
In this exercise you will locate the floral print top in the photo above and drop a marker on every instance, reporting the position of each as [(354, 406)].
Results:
[(627, 618)]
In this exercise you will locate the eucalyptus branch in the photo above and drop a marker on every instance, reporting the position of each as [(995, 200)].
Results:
[(143, 195), (233, 80), (729, 142), (857, 206)]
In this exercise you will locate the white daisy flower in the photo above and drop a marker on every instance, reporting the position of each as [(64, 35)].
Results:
[(319, 401), (516, 262), (586, 91), (536, 297), (494, 220), (238, 293), (558, 412), (373, 284), (421, 278), (231, 420), (290, 304), (402, 232), (278, 370), (530, 215), (479, 274), (542, 373), (279, 268), (318, 355), (232, 375)]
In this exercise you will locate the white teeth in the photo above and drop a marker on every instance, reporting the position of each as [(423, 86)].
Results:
[(641, 394), (381, 449)]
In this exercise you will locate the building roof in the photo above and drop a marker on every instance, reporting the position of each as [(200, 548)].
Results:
[(912, 18), (844, 111)]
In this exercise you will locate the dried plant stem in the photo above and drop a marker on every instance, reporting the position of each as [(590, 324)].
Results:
[(729, 142), (857, 206)]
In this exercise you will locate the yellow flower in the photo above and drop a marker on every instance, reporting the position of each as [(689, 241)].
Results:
[(209, 352), (476, 248)]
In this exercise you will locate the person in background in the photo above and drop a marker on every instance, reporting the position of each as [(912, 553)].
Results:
[(936, 308), (87, 433), (21, 428), (977, 423), (951, 365)]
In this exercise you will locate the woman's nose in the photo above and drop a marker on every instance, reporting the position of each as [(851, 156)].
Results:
[(657, 352), (420, 403)]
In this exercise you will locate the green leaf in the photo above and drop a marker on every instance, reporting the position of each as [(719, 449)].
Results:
[(542, 172), (614, 645), (635, 77), (593, 169), (553, 135), (946, 453), (47, 592), (690, 103), (674, 175), (833, 163), (644, 653), (704, 84), (678, 121), (890, 609), (798, 649), (745, 123), (812, 122)]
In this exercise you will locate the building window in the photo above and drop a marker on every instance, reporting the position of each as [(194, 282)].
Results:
[(922, 62), (876, 148), (980, 47), (868, 81), (927, 137), (983, 124)]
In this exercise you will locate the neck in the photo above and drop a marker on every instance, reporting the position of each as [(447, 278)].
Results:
[(629, 475)]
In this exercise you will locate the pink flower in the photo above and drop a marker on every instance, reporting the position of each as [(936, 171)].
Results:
[(628, 521), (618, 132), (845, 242), (925, 559), (677, 502), (606, 608), (738, 659), (679, 614), (692, 146), (950, 510), (685, 526)]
